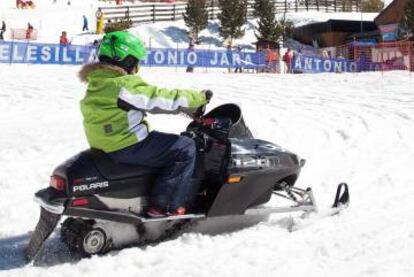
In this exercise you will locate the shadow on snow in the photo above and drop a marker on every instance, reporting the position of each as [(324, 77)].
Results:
[(52, 253)]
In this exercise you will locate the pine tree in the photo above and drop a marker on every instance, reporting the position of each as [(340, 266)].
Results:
[(196, 17), (347, 5), (407, 22), (267, 28), (232, 17), (258, 7), (370, 6), (286, 27)]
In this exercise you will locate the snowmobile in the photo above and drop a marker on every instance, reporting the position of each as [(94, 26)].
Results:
[(236, 174)]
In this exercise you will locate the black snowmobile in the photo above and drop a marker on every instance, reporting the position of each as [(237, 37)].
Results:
[(105, 202)]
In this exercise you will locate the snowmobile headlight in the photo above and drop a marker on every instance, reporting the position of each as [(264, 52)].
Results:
[(57, 183)]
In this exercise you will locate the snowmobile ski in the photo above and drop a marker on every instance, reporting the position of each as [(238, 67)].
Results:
[(341, 202), (45, 226)]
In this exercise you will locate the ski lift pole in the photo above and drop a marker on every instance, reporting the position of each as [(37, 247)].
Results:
[(208, 55), (149, 59), (12, 51), (176, 62)]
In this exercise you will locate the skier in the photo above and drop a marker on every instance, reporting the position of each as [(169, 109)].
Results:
[(190, 68), (63, 39), (29, 31), (2, 30), (287, 58), (85, 24), (114, 111)]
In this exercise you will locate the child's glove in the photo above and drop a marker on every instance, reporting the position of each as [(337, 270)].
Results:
[(208, 94)]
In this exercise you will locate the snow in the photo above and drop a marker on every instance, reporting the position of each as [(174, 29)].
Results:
[(51, 19), (356, 128)]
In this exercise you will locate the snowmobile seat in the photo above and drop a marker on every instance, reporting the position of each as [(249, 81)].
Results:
[(112, 170)]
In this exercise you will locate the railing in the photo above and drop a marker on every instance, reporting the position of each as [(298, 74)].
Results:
[(156, 12)]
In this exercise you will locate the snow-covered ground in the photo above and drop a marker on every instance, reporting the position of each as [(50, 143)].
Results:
[(357, 128)]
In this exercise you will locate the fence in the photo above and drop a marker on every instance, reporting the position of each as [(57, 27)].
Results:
[(357, 57), (157, 12), (23, 33), (384, 56)]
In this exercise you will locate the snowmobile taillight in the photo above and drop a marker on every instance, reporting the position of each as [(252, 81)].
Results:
[(80, 202), (57, 182), (234, 179)]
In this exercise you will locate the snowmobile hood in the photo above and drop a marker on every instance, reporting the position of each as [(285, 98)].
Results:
[(98, 71), (254, 146)]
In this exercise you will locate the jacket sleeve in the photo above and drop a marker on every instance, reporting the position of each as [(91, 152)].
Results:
[(136, 94)]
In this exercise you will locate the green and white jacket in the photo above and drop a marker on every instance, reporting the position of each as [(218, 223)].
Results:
[(115, 104)]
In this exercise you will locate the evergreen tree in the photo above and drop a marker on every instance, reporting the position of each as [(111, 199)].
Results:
[(285, 27), (258, 7), (407, 22), (347, 5), (267, 24), (232, 17), (196, 17), (371, 6)]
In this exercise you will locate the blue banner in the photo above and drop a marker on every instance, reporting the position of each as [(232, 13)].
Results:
[(23, 52), (310, 64), (204, 58), (36, 53)]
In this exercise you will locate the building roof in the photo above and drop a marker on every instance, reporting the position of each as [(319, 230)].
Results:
[(393, 13), (333, 25)]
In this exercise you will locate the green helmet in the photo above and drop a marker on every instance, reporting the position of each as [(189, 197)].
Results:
[(118, 45)]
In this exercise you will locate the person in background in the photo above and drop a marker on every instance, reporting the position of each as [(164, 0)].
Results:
[(287, 58), (273, 61), (229, 53), (85, 24), (191, 44), (100, 21), (95, 42), (238, 66), (63, 40), (2, 30), (29, 31)]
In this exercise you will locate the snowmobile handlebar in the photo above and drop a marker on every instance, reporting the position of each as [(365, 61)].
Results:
[(209, 94), (202, 109)]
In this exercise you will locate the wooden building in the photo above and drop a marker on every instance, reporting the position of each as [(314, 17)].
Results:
[(332, 32), (388, 21), (392, 14)]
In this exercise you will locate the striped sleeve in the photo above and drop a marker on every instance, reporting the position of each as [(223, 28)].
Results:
[(136, 94)]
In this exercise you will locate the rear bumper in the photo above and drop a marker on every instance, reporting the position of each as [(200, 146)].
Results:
[(55, 208), (49, 201)]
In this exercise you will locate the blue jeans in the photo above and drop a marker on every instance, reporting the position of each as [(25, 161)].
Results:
[(174, 155)]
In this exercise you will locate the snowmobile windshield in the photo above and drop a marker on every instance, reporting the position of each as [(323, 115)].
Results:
[(232, 112)]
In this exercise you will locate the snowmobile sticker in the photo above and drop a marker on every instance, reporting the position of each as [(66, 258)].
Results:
[(91, 186)]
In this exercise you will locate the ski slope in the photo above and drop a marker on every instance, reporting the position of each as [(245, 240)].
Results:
[(357, 128), (51, 19)]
